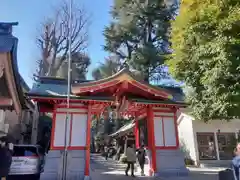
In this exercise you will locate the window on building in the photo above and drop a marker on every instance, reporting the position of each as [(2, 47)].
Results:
[(226, 145), (206, 146)]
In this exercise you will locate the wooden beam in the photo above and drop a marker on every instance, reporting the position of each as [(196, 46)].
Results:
[(6, 101), (9, 74)]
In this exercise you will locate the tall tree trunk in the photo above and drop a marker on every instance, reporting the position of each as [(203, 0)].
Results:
[(106, 122), (97, 125)]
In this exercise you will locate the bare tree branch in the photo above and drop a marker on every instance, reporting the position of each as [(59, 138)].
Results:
[(53, 39)]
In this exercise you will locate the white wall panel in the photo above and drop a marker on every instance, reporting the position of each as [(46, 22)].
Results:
[(59, 133), (158, 131), (79, 129), (169, 131)]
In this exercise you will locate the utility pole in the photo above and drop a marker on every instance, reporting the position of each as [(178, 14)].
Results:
[(68, 119)]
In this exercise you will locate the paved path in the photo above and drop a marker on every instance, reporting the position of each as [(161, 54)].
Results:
[(111, 170)]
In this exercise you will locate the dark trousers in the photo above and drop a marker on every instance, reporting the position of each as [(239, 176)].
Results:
[(142, 167), (106, 155), (130, 164)]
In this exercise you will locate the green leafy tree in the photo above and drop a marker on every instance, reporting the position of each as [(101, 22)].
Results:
[(206, 44), (139, 33), (80, 63), (109, 67)]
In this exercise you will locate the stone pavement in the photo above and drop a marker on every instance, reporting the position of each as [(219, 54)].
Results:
[(108, 170), (111, 170)]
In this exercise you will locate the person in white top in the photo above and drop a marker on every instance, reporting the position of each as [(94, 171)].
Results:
[(131, 160)]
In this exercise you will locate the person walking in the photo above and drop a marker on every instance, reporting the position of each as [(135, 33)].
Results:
[(6, 159), (106, 152), (141, 153), (236, 162), (131, 159)]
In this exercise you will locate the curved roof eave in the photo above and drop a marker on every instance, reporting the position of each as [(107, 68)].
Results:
[(123, 75), (8, 44)]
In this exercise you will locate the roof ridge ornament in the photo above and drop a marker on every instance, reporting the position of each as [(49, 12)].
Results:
[(6, 28)]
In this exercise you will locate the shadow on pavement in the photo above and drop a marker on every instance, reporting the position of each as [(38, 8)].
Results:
[(102, 169), (109, 169)]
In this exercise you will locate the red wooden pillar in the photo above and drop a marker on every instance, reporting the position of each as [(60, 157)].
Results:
[(151, 139), (88, 139), (136, 133)]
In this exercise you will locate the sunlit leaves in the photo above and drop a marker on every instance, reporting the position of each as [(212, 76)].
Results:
[(139, 33), (206, 56)]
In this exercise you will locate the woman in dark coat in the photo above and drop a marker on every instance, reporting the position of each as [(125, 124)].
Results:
[(141, 153), (5, 159)]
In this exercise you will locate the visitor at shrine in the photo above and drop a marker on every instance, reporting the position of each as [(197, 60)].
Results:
[(236, 162), (106, 152), (5, 159), (141, 153), (118, 154), (131, 160)]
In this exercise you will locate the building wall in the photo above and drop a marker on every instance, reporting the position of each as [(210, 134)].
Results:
[(188, 129), (215, 127), (2, 119), (76, 139), (35, 117), (17, 124), (166, 144), (186, 138), (14, 130)]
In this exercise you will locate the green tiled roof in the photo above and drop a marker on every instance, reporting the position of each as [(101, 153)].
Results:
[(55, 87)]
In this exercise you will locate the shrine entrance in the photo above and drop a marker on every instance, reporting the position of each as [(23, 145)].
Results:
[(149, 105)]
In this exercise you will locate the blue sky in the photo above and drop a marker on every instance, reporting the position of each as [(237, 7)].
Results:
[(30, 13)]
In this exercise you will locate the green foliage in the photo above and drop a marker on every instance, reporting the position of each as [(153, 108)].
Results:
[(80, 63), (206, 44), (111, 66), (139, 33)]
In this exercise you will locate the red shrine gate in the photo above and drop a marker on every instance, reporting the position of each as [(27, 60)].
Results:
[(129, 97)]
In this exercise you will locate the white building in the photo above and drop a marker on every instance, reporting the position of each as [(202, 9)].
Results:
[(208, 144)]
